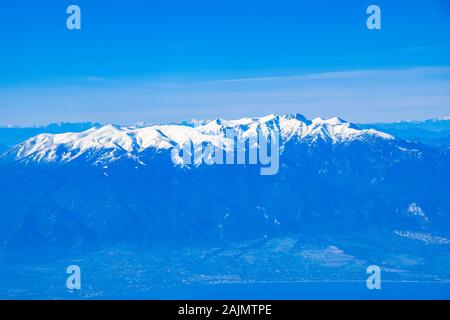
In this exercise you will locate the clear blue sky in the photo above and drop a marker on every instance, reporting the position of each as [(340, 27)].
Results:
[(164, 60)]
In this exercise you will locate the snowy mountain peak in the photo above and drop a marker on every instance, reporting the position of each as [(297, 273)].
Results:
[(111, 142), (298, 117)]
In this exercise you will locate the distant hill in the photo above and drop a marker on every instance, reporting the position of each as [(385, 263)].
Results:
[(12, 135), (434, 132)]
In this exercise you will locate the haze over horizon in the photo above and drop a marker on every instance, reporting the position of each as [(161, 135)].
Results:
[(192, 120), (172, 60)]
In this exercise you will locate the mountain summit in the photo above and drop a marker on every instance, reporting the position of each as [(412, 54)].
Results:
[(110, 142)]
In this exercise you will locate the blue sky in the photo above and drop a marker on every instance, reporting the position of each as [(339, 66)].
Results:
[(167, 60)]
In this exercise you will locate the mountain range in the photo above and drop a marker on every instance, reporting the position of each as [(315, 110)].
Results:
[(111, 199), (434, 132), (118, 185), (110, 143)]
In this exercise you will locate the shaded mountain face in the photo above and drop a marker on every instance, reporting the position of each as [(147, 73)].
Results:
[(119, 185), (434, 132)]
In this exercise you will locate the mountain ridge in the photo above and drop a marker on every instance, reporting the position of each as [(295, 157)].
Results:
[(134, 140), (121, 187)]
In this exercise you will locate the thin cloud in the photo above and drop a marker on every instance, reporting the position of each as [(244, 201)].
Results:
[(347, 74)]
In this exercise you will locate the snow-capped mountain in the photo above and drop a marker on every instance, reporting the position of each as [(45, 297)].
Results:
[(109, 142), (117, 185)]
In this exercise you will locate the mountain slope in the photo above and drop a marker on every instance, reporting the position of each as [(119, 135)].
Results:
[(11, 135), (434, 132), (118, 185)]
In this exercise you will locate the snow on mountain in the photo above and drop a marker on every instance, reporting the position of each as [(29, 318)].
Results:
[(290, 126), (132, 141), (119, 186)]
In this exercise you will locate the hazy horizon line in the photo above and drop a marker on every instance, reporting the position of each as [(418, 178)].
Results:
[(179, 122)]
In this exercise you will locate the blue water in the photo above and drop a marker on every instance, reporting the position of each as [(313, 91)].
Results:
[(302, 291)]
